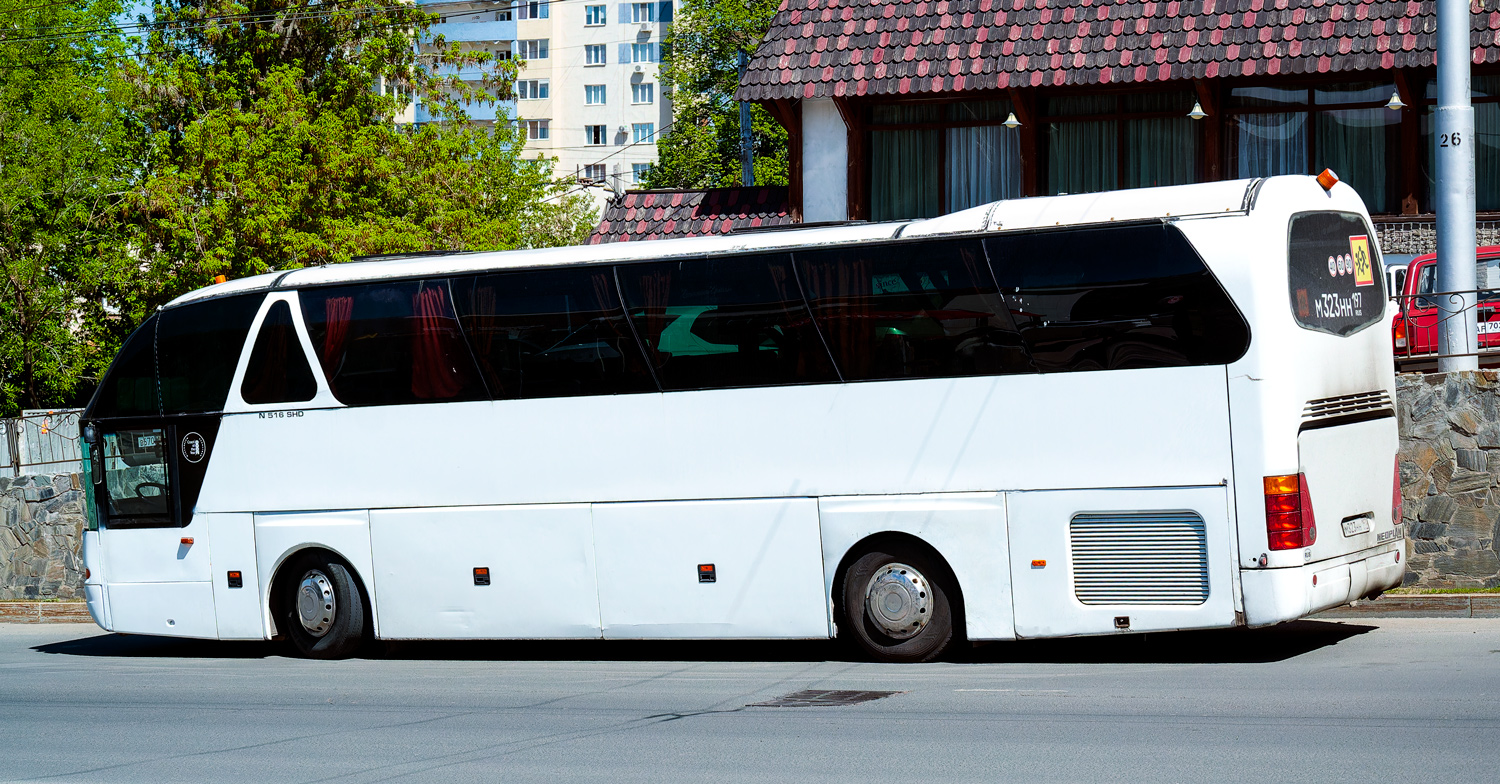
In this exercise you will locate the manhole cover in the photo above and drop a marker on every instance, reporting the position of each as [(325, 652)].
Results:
[(812, 698)]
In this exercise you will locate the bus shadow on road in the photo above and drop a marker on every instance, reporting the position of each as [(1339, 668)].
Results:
[(1217, 646)]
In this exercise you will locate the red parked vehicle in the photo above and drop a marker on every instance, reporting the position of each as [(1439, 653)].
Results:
[(1414, 330)]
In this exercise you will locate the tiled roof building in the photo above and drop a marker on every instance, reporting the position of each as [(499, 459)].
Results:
[(918, 108), (654, 215), (838, 48)]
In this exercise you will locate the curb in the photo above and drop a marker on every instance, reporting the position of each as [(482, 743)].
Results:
[(45, 612), (1421, 606)]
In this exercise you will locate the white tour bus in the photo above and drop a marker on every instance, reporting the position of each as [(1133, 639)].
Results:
[(1091, 414)]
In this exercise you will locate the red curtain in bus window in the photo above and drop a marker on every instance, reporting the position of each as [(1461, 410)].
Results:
[(841, 285), (434, 345), (656, 288), (337, 312)]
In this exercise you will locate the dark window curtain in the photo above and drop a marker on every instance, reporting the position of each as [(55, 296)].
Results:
[(338, 311), (839, 285), (1352, 142), (1081, 156), (1160, 150), (984, 165), (904, 176), (1486, 143), (1267, 145), (439, 357)]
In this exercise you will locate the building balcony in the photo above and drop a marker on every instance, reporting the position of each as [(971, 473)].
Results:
[(503, 111), (475, 31)]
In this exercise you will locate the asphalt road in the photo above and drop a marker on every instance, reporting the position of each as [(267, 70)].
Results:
[(1372, 700)]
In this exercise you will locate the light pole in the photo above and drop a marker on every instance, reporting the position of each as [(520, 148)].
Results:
[(1454, 137)]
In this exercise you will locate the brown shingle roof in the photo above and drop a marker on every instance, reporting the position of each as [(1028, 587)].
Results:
[(657, 215), (832, 48)]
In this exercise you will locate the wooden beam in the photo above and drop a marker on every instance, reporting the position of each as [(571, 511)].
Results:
[(1212, 162), (1410, 176), (857, 175), (789, 114), (1023, 103)]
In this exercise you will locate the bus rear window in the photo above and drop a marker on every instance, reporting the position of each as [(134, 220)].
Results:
[(1332, 270)]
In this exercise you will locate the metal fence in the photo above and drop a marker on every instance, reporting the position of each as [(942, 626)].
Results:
[(40, 442), (1420, 318)]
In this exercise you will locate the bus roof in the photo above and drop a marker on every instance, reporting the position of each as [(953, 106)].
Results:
[(1204, 199)]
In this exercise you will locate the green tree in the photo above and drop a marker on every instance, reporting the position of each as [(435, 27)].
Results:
[(275, 142), (68, 152), (701, 149)]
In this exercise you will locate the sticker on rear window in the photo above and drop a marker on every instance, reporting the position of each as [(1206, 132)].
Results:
[(1331, 271)]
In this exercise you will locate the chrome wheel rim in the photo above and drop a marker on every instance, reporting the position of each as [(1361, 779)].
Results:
[(316, 605), (898, 601)]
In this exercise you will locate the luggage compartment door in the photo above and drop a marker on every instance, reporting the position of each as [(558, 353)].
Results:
[(766, 581), (1102, 561)]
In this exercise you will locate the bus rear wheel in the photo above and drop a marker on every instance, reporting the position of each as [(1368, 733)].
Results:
[(322, 612), (898, 605)]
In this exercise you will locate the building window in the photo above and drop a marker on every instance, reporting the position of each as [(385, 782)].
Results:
[(534, 9), (595, 172), (502, 54), (1104, 142), (531, 89), (642, 12), (645, 92), (1485, 98), (642, 132), (534, 49), (595, 134), (593, 54), (537, 129), (929, 159), (593, 15), (504, 15), (593, 94), (638, 172), (1344, 127), (643, 53)]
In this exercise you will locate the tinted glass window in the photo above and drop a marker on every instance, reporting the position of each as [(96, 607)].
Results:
[(725, 322), (130, 387), (197, 349), (135, 477), (388, 343), (1332, 263), (551, 333), (922, 310), (278, 371), (1122, 297)]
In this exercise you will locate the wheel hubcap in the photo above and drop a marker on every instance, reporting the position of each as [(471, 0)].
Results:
[(898, 600), (315, 603)]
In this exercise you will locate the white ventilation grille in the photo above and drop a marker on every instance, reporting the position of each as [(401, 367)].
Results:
[(1346, 405), (1139, 558)]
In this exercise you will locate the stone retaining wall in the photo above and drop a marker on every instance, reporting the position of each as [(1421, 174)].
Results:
[(41, 533), (1450, 477)]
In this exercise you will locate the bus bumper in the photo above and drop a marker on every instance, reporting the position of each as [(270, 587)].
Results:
[(1280, 595)]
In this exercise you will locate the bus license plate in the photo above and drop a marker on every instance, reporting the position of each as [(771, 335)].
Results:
[(1357, 526)]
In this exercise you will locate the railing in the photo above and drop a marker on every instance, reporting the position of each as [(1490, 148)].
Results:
[(40, 442), (1418, 324)]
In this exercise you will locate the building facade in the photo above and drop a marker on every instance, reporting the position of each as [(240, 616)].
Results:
[(480, 25), (909, 110)]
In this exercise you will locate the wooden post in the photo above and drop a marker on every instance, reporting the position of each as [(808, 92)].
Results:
[(857, 177), (1023, 103), (1213, 131), (1411, 144), (789, 114)]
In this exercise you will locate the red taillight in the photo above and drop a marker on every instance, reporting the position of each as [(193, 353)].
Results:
[(1400, 331), (1396, 503), (1289, 515)]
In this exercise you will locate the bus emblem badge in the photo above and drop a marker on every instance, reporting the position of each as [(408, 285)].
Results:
[(194, 448)]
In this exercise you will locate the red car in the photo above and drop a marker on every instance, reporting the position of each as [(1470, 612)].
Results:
[(1414, 330)]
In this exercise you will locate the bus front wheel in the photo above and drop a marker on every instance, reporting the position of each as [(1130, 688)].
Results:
[(899, 605), (322, 610)]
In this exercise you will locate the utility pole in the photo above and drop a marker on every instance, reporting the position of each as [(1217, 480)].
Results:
[(1458, 331), (747, 154)]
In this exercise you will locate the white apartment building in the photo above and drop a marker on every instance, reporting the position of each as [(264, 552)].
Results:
[(588, 93)]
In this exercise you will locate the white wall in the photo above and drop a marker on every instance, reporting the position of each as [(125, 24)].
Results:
[(825, 162)]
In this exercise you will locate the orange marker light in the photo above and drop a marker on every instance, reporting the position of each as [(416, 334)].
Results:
[(1040, 563), (1328, 179), (219, 278), (187, 541)]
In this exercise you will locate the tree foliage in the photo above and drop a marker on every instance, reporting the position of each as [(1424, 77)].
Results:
[(235, 137), (701, 149)]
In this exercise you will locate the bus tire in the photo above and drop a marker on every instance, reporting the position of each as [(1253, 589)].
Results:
[(322, 611), (898, 604)]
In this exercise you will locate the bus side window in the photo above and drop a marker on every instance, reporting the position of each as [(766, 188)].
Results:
[(1119, 297), (390, 343), (197, 348), (130, 387), (736, 321), (911, 310), (550, 333), (278, 371)]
